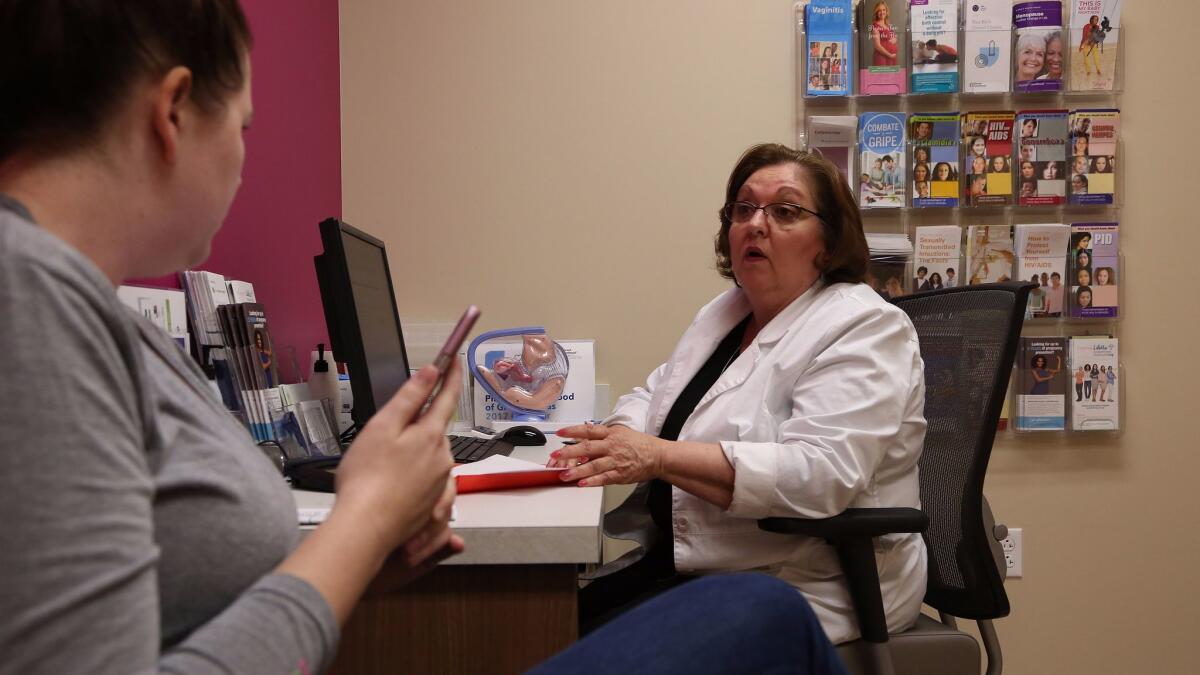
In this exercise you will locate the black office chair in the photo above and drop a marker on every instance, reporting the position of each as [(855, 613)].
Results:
[(968, 339)]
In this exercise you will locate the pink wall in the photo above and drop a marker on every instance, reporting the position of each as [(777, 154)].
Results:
[(293, 174)]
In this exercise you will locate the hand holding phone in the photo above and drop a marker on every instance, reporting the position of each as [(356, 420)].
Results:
[(453, 343), (449, 351)]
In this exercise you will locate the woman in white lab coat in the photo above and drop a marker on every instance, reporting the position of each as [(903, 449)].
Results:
[(799, 392)]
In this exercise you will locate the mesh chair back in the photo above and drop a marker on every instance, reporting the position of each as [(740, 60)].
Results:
[(968, 339)]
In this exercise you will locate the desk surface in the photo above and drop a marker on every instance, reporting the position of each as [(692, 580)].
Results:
[(544, 525)]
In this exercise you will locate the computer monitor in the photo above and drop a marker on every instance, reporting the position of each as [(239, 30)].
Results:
[(360, 314)]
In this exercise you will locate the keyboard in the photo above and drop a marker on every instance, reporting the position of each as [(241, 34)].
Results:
[(467, 449)]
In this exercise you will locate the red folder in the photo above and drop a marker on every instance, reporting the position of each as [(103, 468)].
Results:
[(512, 480)]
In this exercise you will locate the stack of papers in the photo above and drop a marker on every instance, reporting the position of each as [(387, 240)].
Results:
[(312, 516), (889, 244), (889, 271)]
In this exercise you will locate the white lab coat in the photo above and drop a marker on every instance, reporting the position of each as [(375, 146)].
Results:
[(823, 411)]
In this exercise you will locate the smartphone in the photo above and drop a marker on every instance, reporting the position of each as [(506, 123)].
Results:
[(449, 350)]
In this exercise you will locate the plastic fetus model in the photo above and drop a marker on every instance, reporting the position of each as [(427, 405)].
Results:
[(531, 382)]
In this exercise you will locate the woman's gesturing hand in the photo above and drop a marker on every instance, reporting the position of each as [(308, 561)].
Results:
[(396, 472), (609, 455)]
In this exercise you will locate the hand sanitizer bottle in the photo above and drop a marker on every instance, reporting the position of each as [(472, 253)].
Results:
[(323, 385)]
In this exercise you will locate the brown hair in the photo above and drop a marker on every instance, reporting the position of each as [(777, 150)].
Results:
[(65, 65), (846, 256)]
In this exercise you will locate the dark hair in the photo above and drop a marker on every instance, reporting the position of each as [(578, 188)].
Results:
[(64, 66), (1033, 363), (841, 223), (922, 268), (1079, 294)]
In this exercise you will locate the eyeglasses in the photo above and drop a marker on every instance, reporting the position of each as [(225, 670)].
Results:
[(781, 214)]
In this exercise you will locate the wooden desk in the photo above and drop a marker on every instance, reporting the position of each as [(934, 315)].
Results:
[(505, 604)]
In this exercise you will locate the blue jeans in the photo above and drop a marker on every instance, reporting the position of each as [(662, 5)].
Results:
[(737, 623)]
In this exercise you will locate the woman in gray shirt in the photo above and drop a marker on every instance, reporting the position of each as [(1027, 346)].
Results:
[(146, 533)]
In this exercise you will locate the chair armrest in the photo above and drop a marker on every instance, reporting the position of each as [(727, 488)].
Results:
[(851, 523), (852, 533)]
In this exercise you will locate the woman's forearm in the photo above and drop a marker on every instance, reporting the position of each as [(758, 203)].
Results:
[(338, 560), (700, 469)]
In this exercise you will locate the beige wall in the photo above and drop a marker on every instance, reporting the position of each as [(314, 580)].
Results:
[(562, 162)]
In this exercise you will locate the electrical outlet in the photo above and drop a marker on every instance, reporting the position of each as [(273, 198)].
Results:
[(1012, 552)]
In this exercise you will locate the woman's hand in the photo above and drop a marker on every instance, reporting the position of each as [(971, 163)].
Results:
[(420, 554), (610, 455), (557, 462), (395, 475), (435, 535)]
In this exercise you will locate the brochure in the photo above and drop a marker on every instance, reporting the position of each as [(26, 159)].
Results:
[(1040, 51), (881, 160), (935, 168), (883, 59), (1095, 36), (1042, 384), (987, 46), (829, 28), (1095, 405), (935, 46), (1042, 152)]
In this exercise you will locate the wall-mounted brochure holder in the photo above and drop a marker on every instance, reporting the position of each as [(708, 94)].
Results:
[(918, 183), (991, 65), (1093, 406), (971, 59), (840, 138), (986, 81), (1071, 293), (890, 275)]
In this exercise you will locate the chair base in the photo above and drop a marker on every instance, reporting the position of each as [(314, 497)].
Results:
[(928, 648)]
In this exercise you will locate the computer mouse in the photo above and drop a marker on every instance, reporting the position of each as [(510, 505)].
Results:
[(523, 435)]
